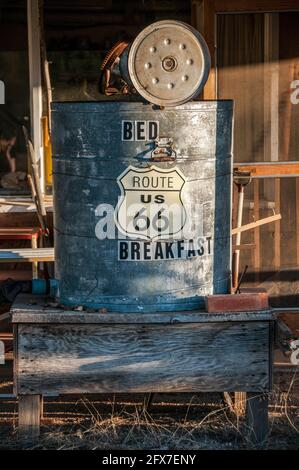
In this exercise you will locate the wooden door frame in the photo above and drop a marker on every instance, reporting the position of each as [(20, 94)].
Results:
[(204, 14)]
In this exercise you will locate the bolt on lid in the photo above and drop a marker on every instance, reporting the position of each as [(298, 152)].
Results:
[(169, 63)]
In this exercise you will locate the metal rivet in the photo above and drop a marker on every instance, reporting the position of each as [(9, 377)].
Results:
[(182, 46), (166, 41), (169, 64), (148, 65), (170, 86), (153, 49), (185, 78), (189, 61), (155, 80)]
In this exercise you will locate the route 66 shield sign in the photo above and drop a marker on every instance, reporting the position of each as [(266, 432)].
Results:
[(150, 205)]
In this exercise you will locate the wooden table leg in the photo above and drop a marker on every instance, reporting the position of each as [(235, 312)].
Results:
[(30, 412), (240, 403), (236, 402), (257, 417)]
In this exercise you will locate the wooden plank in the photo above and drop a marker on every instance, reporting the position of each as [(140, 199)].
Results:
[(230, 6), (197, 15), (36, 105), (36, 309), (297, 220), (240, 403), (257, 417), (277, 232), (271, 86), (244, 246), (60, 317), (271, 95), (19, 231), (143, 358), (30, 410), (269, 170), (235, 205), (256, 233), (266, 220), (203, 19), (6, 336), (9, 202), (26, 255), (48, 201)]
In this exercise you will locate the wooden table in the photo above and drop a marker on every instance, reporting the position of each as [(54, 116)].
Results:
[(61, 352)]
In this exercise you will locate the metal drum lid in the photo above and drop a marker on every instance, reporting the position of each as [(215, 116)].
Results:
[(169, 63)]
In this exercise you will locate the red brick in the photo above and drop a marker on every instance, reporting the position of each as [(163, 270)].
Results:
[(237, 302)]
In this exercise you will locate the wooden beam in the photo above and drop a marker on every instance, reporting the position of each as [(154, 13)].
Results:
[(203, 19), (256, 211), (235, 205), (297, 219), (197, 15), (240, 403), (271, 86), (26, 255), (269, 170), (258, 223), (23, 311), (30, 411), (244, 246), (277, 232), (230, 6), (35, 81), (19, 232), (9, 202)]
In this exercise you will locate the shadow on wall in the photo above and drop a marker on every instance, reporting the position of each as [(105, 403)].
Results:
[(282, 286), (223, 187)]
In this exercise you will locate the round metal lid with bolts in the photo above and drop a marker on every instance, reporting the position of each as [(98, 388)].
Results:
[(167, 64)]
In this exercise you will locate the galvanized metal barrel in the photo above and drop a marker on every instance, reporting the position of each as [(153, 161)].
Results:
[(117, 168)]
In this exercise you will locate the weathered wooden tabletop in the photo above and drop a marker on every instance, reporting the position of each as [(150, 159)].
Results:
[(37, 309)]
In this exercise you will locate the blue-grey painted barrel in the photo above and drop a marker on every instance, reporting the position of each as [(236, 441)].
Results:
[(89, 155)]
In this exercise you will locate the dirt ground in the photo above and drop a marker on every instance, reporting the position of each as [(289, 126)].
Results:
[(174, 422)]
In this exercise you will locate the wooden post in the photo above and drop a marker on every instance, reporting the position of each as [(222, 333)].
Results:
[(203, 19), (34, 51), (271, 80), (297, 218), (30, 412), (277, 233), (257, 417), (240, 403), (35, 263), (256, 210), (236, 402)]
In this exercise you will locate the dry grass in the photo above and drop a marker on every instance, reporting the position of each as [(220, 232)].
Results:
[(180, 422)]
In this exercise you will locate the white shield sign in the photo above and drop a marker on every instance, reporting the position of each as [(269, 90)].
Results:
[(150, 205)]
